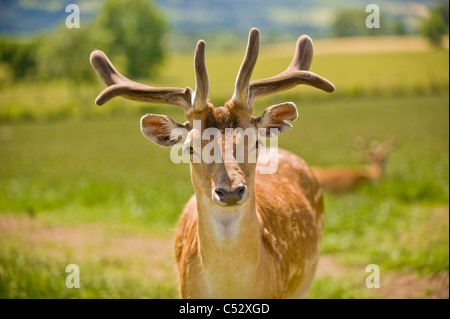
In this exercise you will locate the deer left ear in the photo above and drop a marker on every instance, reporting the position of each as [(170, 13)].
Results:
[(274, 117), (162, 130)]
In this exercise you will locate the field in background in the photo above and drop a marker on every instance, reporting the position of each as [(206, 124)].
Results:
[(411, 67), (89, 189)]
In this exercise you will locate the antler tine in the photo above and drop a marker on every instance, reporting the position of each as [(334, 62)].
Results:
[(241, 92), (119, 85), (296, 73), (303, 54), (104, 68), (200, 97)]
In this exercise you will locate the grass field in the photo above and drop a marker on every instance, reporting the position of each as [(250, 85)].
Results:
[(91, 190), (365, 74)]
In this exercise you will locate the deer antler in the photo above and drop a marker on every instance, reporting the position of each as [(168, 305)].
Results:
[(119, 85), (247, 92), (241, 92)]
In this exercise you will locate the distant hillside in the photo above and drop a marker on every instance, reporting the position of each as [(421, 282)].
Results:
[(314, 17)]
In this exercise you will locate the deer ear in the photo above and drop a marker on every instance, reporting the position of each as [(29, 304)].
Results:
[(274, 117), (162, 130), (359, 143)]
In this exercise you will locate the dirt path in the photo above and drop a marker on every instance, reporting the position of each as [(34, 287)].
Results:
[(153, 255), (156, 254)]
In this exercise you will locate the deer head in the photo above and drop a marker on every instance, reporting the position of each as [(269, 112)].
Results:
[(375, 151), (228, 182)]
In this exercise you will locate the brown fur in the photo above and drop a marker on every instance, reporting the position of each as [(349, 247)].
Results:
[(280, 238), (341, 179)]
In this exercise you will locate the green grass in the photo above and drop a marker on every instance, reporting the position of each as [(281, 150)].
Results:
[(90, 171), (368, 75), (103, 171), (344, 287), (352, 74), (28, 275)]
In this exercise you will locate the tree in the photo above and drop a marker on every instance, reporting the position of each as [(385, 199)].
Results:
[(127, 30), (65, 54), (353, 23), (135, 29), (437, 24), (442, 9), (19, 56)]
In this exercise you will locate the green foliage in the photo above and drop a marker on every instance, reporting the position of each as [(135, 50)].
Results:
[(135, 31), (399, 28), (129, 31), (353, 23), (442, 10), (353, 75), (437, 24), (19, 56), (65, 54)]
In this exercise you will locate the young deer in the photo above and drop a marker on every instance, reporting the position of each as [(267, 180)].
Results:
[(243, 234), (339, 179)]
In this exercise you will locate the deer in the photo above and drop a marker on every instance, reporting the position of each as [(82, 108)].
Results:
[(341, 179), (243, 234)]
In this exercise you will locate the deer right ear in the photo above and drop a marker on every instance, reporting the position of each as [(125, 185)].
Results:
[(162, 130), (274, 117)]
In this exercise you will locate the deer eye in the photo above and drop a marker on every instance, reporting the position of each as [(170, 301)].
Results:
[(190, 151), (258, 145)]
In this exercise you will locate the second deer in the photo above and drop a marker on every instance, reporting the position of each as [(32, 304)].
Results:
[(339, 179)]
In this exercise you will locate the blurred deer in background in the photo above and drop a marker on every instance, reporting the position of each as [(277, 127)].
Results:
[(242, 234), (339, 179)]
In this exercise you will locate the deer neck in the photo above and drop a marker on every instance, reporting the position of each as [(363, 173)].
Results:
[(229, 244), (376, 169)]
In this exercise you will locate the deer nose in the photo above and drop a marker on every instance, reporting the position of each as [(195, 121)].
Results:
[(231, 197)]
